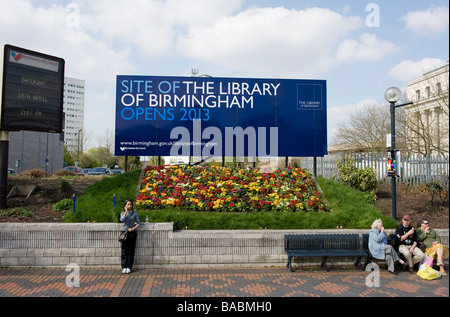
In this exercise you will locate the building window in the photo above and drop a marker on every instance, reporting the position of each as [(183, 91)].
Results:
[(438, 88), (427, 89), (417, 94)]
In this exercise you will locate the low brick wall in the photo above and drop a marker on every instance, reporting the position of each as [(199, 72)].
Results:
[(158, 245)]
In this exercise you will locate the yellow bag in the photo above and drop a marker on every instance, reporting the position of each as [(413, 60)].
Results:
[(427, 273)]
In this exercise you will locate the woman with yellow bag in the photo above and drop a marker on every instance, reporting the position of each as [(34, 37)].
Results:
[(434, 248)]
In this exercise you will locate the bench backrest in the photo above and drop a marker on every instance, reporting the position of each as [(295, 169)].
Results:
[(322, 241), (341, 242), (302, 242), (365, 241)]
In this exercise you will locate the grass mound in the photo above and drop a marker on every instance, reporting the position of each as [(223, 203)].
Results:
[(350, 208)]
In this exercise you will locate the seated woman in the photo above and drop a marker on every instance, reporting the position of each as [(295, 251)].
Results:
[(381, 250), (434, 248)]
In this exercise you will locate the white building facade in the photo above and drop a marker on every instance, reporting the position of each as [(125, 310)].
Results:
[(74, 92), (427, 120)]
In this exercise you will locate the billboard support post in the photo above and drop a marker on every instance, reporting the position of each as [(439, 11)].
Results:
[(4, 148)]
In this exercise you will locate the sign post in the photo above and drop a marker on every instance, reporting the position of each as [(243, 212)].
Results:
[(31, 98)]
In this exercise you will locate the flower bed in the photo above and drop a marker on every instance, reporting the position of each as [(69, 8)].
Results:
[(224, 189)]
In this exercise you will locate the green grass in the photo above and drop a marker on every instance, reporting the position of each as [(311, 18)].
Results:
[(351, 209), (96, 204)]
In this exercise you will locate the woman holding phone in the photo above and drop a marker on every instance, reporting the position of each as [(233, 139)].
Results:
[(131, 222)]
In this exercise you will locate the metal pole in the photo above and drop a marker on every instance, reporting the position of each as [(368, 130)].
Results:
[(394, 184), (315, 166), (394, 181), (73, 203), (4, 150), (78, 150)]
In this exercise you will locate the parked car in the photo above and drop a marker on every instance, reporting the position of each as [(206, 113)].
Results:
[(11, 171), (74, 169), (86, 170), (116, 171), (99, 171)]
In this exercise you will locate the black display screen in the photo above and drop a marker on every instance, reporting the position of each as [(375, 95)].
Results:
[(32, 91)]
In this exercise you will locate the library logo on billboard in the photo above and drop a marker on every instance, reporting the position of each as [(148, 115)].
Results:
[(309, 97)]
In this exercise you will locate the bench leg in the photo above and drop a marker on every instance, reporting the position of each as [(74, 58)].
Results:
[(368, 260), (324, 263), (359, 263), (290, 263)]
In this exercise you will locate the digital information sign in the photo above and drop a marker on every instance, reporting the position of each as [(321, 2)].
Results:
[(209, 116), (32, 91)]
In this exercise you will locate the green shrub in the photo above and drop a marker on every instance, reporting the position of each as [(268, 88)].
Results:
[(363, 179), (435, 189), (65, 186), (63, 205)]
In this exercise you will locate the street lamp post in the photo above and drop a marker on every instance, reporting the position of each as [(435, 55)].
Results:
[(392, 95), (78, 150)]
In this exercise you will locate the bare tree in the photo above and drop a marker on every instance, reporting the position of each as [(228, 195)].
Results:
[(106, 139), (366, 128), (422, 127)]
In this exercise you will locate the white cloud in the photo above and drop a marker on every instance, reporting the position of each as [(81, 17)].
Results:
[(430, 22), (408, 70), (45, 30), (271, 41), (369, 48), (340, 114), (150, 25)]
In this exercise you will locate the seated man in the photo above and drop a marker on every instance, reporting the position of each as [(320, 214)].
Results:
[(408, 242)]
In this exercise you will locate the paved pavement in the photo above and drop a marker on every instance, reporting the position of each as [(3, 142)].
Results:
[(216, 282)]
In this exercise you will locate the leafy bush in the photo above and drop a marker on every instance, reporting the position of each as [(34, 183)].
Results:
[(65, 186), (63, 205), (363, 179), (435, 189)]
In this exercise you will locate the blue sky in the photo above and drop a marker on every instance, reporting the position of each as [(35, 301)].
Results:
[(360, 47)]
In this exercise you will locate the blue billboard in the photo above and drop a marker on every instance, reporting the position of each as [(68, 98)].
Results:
[(210, 116)]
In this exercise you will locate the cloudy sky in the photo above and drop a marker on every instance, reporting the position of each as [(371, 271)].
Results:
[(360, 47)]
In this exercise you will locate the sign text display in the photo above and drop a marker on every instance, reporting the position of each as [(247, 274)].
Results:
[(203, 116)]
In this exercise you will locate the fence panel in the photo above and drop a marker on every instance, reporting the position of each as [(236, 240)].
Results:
[(415, 169)]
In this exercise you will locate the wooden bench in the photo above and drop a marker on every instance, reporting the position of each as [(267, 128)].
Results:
[(323, 245)]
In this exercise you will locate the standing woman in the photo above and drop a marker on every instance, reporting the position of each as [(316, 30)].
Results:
[(131, 222)]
